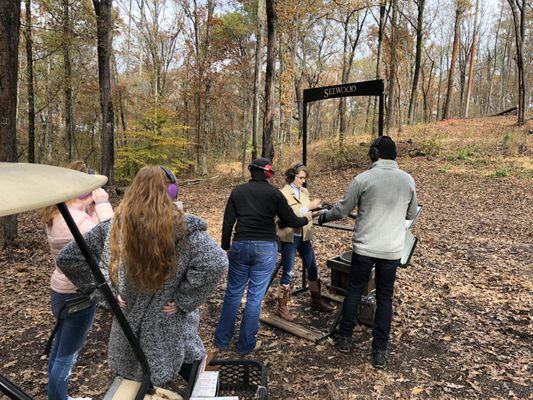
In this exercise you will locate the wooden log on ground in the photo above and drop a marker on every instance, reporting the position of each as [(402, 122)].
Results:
[(511, 110), (291, 327)]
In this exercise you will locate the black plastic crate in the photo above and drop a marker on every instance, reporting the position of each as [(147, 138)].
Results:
[(246, 379)]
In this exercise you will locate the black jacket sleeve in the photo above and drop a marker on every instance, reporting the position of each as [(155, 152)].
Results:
[(227, 225), (286, 214)]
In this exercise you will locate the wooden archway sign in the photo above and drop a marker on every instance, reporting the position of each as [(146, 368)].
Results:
[(366, 88)]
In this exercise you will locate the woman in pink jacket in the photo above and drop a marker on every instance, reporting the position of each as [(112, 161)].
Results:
[(72, 328)]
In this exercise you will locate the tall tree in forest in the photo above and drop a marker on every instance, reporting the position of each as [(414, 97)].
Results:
[(372, 100), (519, 9), (350, 41), (201, 19), (472, 61), (29, 80), (160, 43), (257, 75), (418, 58), (391, 95), (67, 89), (9, 42), (459, 10), (267, 149), (490, 101), (104, 28), (206, 111), (287, 21)]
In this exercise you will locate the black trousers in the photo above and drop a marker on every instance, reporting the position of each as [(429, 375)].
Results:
[(360, 269)]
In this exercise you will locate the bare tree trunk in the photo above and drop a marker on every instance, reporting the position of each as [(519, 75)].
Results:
[(257, 75), (350, 44), (489, 107), (400, 105), (104, 26), (439, 86), (244, 115), (267, 149), (455, 52), (391, 96), (9, 42), (282, 108), (298, 85), (202, 80), (504, 71), (425, 91), (121, 113), (418, 58), (67, 70), (472, 61), (382, 19), (198, 83), (518, 9), (344, 79), (49, 112), (29, 80), (207, 85)]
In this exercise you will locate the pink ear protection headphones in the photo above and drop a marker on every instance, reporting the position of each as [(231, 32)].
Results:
[(269, 171), (172, 188)]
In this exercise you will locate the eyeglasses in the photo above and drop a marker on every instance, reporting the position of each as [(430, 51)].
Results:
[(301, 177)]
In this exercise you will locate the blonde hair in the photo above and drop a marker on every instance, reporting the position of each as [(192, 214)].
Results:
[(47, 214), (146, 228)]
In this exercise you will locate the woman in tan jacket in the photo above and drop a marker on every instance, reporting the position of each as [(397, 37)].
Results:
[(293, 240)]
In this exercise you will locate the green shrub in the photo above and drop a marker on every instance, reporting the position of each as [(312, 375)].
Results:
[(432, 147), (506, 140), (501, 172), (445, 168), (156, 138), (464, 154)]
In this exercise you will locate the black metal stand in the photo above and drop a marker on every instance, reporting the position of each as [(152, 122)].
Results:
[(333, 325), (11, 390), (146, 384)]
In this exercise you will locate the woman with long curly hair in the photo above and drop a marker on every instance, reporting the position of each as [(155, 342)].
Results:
[(162, 265), (72, 328)]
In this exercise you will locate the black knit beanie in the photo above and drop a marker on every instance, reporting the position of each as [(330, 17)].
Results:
[(387, 148)]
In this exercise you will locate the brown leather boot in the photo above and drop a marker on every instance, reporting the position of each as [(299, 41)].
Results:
[(316, 297), (284, 294)]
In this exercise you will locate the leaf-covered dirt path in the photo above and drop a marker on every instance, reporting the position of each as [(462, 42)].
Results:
[(462, 312)]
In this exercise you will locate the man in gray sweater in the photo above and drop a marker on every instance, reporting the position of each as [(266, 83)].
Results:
[(384, 197)]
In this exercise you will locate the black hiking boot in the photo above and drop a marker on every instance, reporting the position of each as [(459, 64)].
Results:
[(379, 358), (345, 344)]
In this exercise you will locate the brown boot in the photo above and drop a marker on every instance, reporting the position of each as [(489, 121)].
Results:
[(316, 297), (284, 294)]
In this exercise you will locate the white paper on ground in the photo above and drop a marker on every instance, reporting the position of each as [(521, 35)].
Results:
[(215, 398), (206, 384)]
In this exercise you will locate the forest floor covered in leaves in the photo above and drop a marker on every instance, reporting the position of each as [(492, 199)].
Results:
[(462, 325)]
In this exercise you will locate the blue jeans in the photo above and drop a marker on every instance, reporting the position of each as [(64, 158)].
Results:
[(288, 255), (251, 263), (360, 270), (68, 341)]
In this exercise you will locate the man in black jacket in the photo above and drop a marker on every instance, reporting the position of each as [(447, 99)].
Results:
[(252, 255)]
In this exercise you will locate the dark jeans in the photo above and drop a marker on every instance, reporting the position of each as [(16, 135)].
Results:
[(68, 341), (360, 270), (288, 255), (251, 263)]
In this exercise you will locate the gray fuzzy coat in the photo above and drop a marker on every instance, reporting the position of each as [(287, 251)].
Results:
[(167, 340)]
